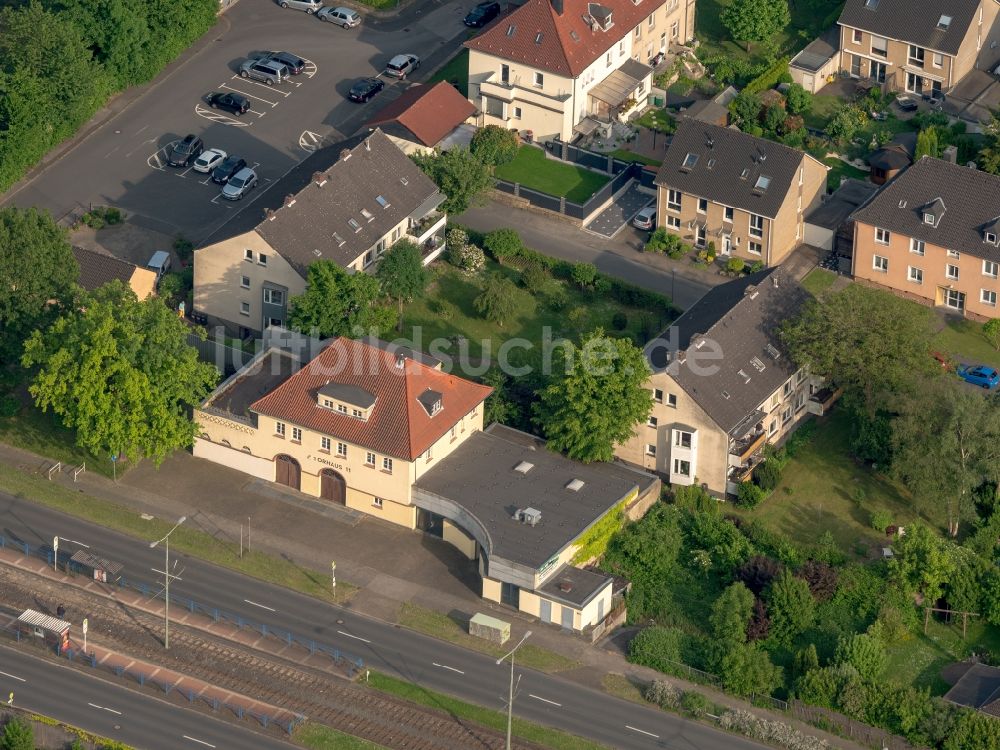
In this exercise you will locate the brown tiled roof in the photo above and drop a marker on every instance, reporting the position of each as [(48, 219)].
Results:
[(429, 113), (398, 425), (97, 269), (535, 34)]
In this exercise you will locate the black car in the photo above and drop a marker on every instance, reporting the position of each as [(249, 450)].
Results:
[(235, 103), (230, 166), (365, 89), (185, 152), (482, 14), (295, 63)]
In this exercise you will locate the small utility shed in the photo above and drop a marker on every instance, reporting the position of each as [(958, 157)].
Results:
[(816, 62)]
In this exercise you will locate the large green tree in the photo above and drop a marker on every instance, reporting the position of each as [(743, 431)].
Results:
[(922, 562), (459, 174), (37, 274), (746, 669), (863, 652), (731, 614), (752, 21), (121, 373), (596, 397), (402, 274), (964, 451), (989, 155), (494, 146), (498, 300), (336, 303), (791, 606)]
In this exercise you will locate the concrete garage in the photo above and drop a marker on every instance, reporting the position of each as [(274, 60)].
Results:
[(524, 512)]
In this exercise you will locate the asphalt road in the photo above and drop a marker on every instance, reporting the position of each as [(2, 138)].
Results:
[(109, 710), (123, 162), (426, 661)]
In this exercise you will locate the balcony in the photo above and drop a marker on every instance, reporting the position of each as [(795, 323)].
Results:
[(428, 234), (740, 451), (524, 91)]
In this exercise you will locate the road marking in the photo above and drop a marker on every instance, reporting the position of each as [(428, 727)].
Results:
[(105, 708), (219, 117), (285, 94), (249, 96), (544, 700), (200, 742), (156, 161), (13, 677), (643, 731), (355, 637), (310, 69), (73, 541), (445, 666), (269, 609), (310, 141)]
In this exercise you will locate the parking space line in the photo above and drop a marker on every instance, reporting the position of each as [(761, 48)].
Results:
[(263, 86), (307, 72), (250, 96), (219, 117), (156, 161), (254, 111)]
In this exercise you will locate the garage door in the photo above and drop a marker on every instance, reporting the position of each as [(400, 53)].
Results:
[(287, 472)]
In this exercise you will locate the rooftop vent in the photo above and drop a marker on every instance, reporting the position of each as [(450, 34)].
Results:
[(725, 395), (574, 485), (317, 253), (758, 364), (269, 214), (289, 200), (367, 214), (773, 351), (774, 281), (338, 239), (320, 178), (743, 374), (524, 467), (404, 180), (530, 516), (745, 173), (354, 225), (711, 163), (566, 586), (538, 38), (574, 36), (400, 361), (345, 154), (511, 29), (902, 203)]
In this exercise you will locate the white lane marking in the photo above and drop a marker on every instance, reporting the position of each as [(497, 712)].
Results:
[(269, 609), (285, 94), (13, 677), (73, 541), (544, 700), (200, 742), (251, 96), (643, 731), (445, 666), (355, 637), (214, 116), (104, 708), (310, 141), (310, 72)]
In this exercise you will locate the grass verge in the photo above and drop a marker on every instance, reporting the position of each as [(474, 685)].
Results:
[(185, 539), (963, 339), (455, 72), (533, 170), (527, 730), (918, 659), (840, 169), (320, 737), (621, 686), (41, 432), (626, 155), (818, 281), (439, 625), (824, 106)]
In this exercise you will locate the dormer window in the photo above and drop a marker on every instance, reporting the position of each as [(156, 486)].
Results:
[(432, 402), (991, 238), (346, 399), (929, 219)]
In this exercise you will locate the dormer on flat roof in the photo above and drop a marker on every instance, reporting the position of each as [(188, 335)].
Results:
[(346, 399)]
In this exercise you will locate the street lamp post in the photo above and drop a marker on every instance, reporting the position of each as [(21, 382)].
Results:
[(510, 696), (166, 580)]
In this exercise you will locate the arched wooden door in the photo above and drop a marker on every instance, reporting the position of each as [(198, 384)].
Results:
[(332, 487), (287, 471)]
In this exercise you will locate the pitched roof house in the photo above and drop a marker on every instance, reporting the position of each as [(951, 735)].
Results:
[(919, 46), (746, 194), (723, 386), (556, 67), (425, 117), (97, 269), (933, 235), (350, 211)]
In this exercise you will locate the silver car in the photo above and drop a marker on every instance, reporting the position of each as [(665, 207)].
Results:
[(268, 71), (402, 65), (341, 16), (309, 6), (240, 184)]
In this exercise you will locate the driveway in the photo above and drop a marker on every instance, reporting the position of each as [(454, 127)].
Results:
[(122, 162), (621, 211)]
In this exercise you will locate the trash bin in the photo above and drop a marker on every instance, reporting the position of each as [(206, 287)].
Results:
[(657, 101), (529, 136)]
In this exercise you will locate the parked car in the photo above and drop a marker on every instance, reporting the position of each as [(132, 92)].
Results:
[(240, 184), (230, 166), (159, 264), (209, 160), (906, 103), (646, 218), (365, 89), (341, 16), (294, 63), (402, 65), (186, 151), (268, 71), (981, 375), (235, 103), (309, 6), (482, 14)]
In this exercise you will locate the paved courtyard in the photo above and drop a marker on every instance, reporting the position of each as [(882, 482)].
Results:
[(620, 212)]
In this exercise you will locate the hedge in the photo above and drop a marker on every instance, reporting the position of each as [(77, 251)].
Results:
[(769, 78)]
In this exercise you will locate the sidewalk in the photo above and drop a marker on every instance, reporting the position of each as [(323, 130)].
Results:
[(392, 565)]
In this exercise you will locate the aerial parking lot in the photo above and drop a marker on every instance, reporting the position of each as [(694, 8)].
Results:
[(270, 122)]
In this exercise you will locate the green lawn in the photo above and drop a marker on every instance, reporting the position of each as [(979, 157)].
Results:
[(818, 491), (964, 340), (918, 660), (657, 119), (319, 737), (458, 709), (440, 625), (840, 169), (818, 281), (809, 19), (447, 310), (625, 155), (533, 170), (455, 71), (823, 108)]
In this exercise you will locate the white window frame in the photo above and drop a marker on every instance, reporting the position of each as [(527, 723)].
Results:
[(538, 80), (880, 263), (917, 247), (679, 436), (324, 444), (261, 259), (674, 199), (279, 429), (248, 254), (679, 465), (948, 269), (387, 464), (755, 248), (651, 450), (727, 214), (269, 295), (914, 274), (674, 222), (651, 421), (702, 205), (990, 268), (988, 297), (342, 449), (954, 254), (937, 60), (756, 224), (881, 53), (244, 308), (882, 236), (658, 395), (370, 459), (377, 502), (857, 36), (517, 113), (672, 400), (244, 282)]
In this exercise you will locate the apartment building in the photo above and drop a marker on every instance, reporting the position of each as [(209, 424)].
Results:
[(747, 195), (348, 205), (933, 235), (561, 67), (724, 387), (917, 46)]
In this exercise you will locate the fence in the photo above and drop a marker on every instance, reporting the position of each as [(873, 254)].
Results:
[(848, 727), (560, 205)]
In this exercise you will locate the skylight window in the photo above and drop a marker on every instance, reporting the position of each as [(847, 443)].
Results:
[(511, 29), (574, 36), (745, 174), (944, 22), (538, 38), (762, 184), (758, 364), (871, 4), (690, 160), (380, 199), (367, 214), (746, 378), (354, 225), (338, 239)]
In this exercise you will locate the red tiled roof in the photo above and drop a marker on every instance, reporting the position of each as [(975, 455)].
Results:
[(398, 425), (429, 112), (567, 44)]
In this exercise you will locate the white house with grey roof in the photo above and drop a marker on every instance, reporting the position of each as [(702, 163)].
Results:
[(345, 204), (724, 387)]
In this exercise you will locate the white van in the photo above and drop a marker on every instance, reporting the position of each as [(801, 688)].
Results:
[(159, 264)]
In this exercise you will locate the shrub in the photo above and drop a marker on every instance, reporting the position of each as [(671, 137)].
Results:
[(863, 652), (776, 733), (735, 265), (455, 236), (578, 316), (469, 258), (657, 242), (619, 321), (494, 145), (584, 275), (694, 703), (17, 735), (881, 520), (798, 100), (183, 247), (534, 277), (657, 647), (767, 474), (757, 266), (664, 694), (557, 298), (9, 406), (503, 243), (991, 330), (758, 572), (769, 78), (821, 577), (750, 495)]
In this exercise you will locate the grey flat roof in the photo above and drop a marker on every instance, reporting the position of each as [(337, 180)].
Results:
[(479, 476), (818, 52), (833, 211), (247, 386), (574, 586), (349, 394)]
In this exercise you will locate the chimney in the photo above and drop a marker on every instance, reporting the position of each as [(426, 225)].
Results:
[(950, 154), (269, 214), (345, 154), (557, 6), (320, 178), (774, 281), (400, 360), (289, 200)]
